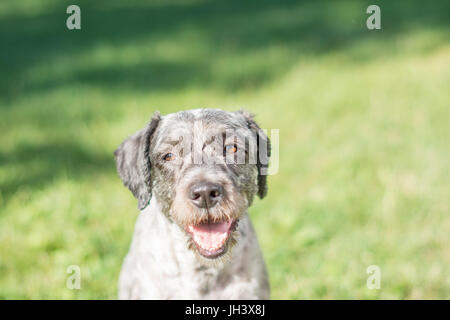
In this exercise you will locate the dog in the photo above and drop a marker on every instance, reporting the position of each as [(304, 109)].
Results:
[(194, 174)]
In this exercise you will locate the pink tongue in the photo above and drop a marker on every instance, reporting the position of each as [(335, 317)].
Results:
[(210, 236)]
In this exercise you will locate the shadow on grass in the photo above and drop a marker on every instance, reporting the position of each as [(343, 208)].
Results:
[(32, 167), (230, 28)]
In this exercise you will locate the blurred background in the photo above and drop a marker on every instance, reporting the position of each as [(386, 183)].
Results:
[(364, 139)]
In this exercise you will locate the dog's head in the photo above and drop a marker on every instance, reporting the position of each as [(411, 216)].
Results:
[(203, 166)]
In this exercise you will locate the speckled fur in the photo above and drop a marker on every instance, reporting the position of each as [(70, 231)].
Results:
[(162, 262)]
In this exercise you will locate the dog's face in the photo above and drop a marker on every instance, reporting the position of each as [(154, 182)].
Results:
[(204, 168)]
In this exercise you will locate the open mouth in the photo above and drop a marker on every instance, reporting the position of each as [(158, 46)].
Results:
[(211, 238)]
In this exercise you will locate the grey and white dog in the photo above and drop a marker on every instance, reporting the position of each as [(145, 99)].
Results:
[(194, 240)]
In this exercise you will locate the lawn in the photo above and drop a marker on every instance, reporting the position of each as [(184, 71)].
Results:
[(364, 136)]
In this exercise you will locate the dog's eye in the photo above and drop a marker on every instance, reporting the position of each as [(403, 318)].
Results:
[(169, 157), (231, 148)]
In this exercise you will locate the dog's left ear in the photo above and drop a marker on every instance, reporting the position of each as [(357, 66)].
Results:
[(263, 152), (133, 162)]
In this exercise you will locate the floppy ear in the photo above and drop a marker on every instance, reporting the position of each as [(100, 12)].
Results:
[(133, 162), (263, 150)]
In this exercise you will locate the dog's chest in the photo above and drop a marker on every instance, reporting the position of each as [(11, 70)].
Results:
[(164, 268)]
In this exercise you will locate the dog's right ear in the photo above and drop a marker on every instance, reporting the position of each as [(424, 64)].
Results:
[(133, 162)]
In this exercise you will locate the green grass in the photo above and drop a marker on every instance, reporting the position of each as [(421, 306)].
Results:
[(364, 139)]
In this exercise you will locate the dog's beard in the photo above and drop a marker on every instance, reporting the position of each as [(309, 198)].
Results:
[(211, 231)]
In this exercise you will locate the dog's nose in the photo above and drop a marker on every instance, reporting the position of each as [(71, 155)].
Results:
[(205, 194)]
